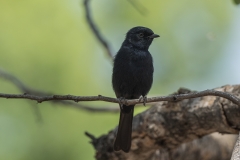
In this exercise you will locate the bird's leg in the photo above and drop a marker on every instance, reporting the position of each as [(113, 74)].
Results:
[(144, 98), (121, 101)]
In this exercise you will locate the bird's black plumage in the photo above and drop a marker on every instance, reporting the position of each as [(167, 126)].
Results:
[(132, 77)]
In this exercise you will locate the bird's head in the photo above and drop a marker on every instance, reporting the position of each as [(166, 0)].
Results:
[(140, 37)]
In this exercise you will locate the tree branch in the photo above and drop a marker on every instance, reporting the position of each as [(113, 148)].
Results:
[(95, 31), (30, 92), (167, 125), (170, 98)]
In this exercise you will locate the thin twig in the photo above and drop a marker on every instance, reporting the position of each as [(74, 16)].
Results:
[(28, 91), (92, 137), (170, 98), (95, 30)]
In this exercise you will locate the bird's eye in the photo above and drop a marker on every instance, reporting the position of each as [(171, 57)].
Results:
[(140, 35)]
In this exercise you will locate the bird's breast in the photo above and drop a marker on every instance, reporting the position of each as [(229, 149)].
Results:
[(139, 55)]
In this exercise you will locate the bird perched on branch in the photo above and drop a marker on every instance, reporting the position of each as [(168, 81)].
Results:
[(132, 78)]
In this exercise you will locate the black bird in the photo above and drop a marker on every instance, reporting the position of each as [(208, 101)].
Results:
[(132, 78)]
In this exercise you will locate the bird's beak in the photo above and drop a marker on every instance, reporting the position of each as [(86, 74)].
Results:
[(154, 36)]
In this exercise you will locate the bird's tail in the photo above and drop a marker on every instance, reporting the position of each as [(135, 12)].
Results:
[(124, 134)]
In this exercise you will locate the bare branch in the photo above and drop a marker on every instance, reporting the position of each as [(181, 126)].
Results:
[(95, 30), (170, 98), (28, 91), (42, 96)]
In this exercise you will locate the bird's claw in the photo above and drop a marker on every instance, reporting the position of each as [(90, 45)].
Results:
[(122, 100), (144, 98)]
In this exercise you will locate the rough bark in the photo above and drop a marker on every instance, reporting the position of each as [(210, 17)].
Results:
[(236, 150), (164, 129)]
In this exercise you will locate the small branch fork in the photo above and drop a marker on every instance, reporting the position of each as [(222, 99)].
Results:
[(170, 98)]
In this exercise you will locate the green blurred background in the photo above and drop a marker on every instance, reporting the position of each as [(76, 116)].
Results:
[(48, 45)]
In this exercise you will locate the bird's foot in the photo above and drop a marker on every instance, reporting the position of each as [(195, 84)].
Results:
[(122, 101), (144, 98)]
